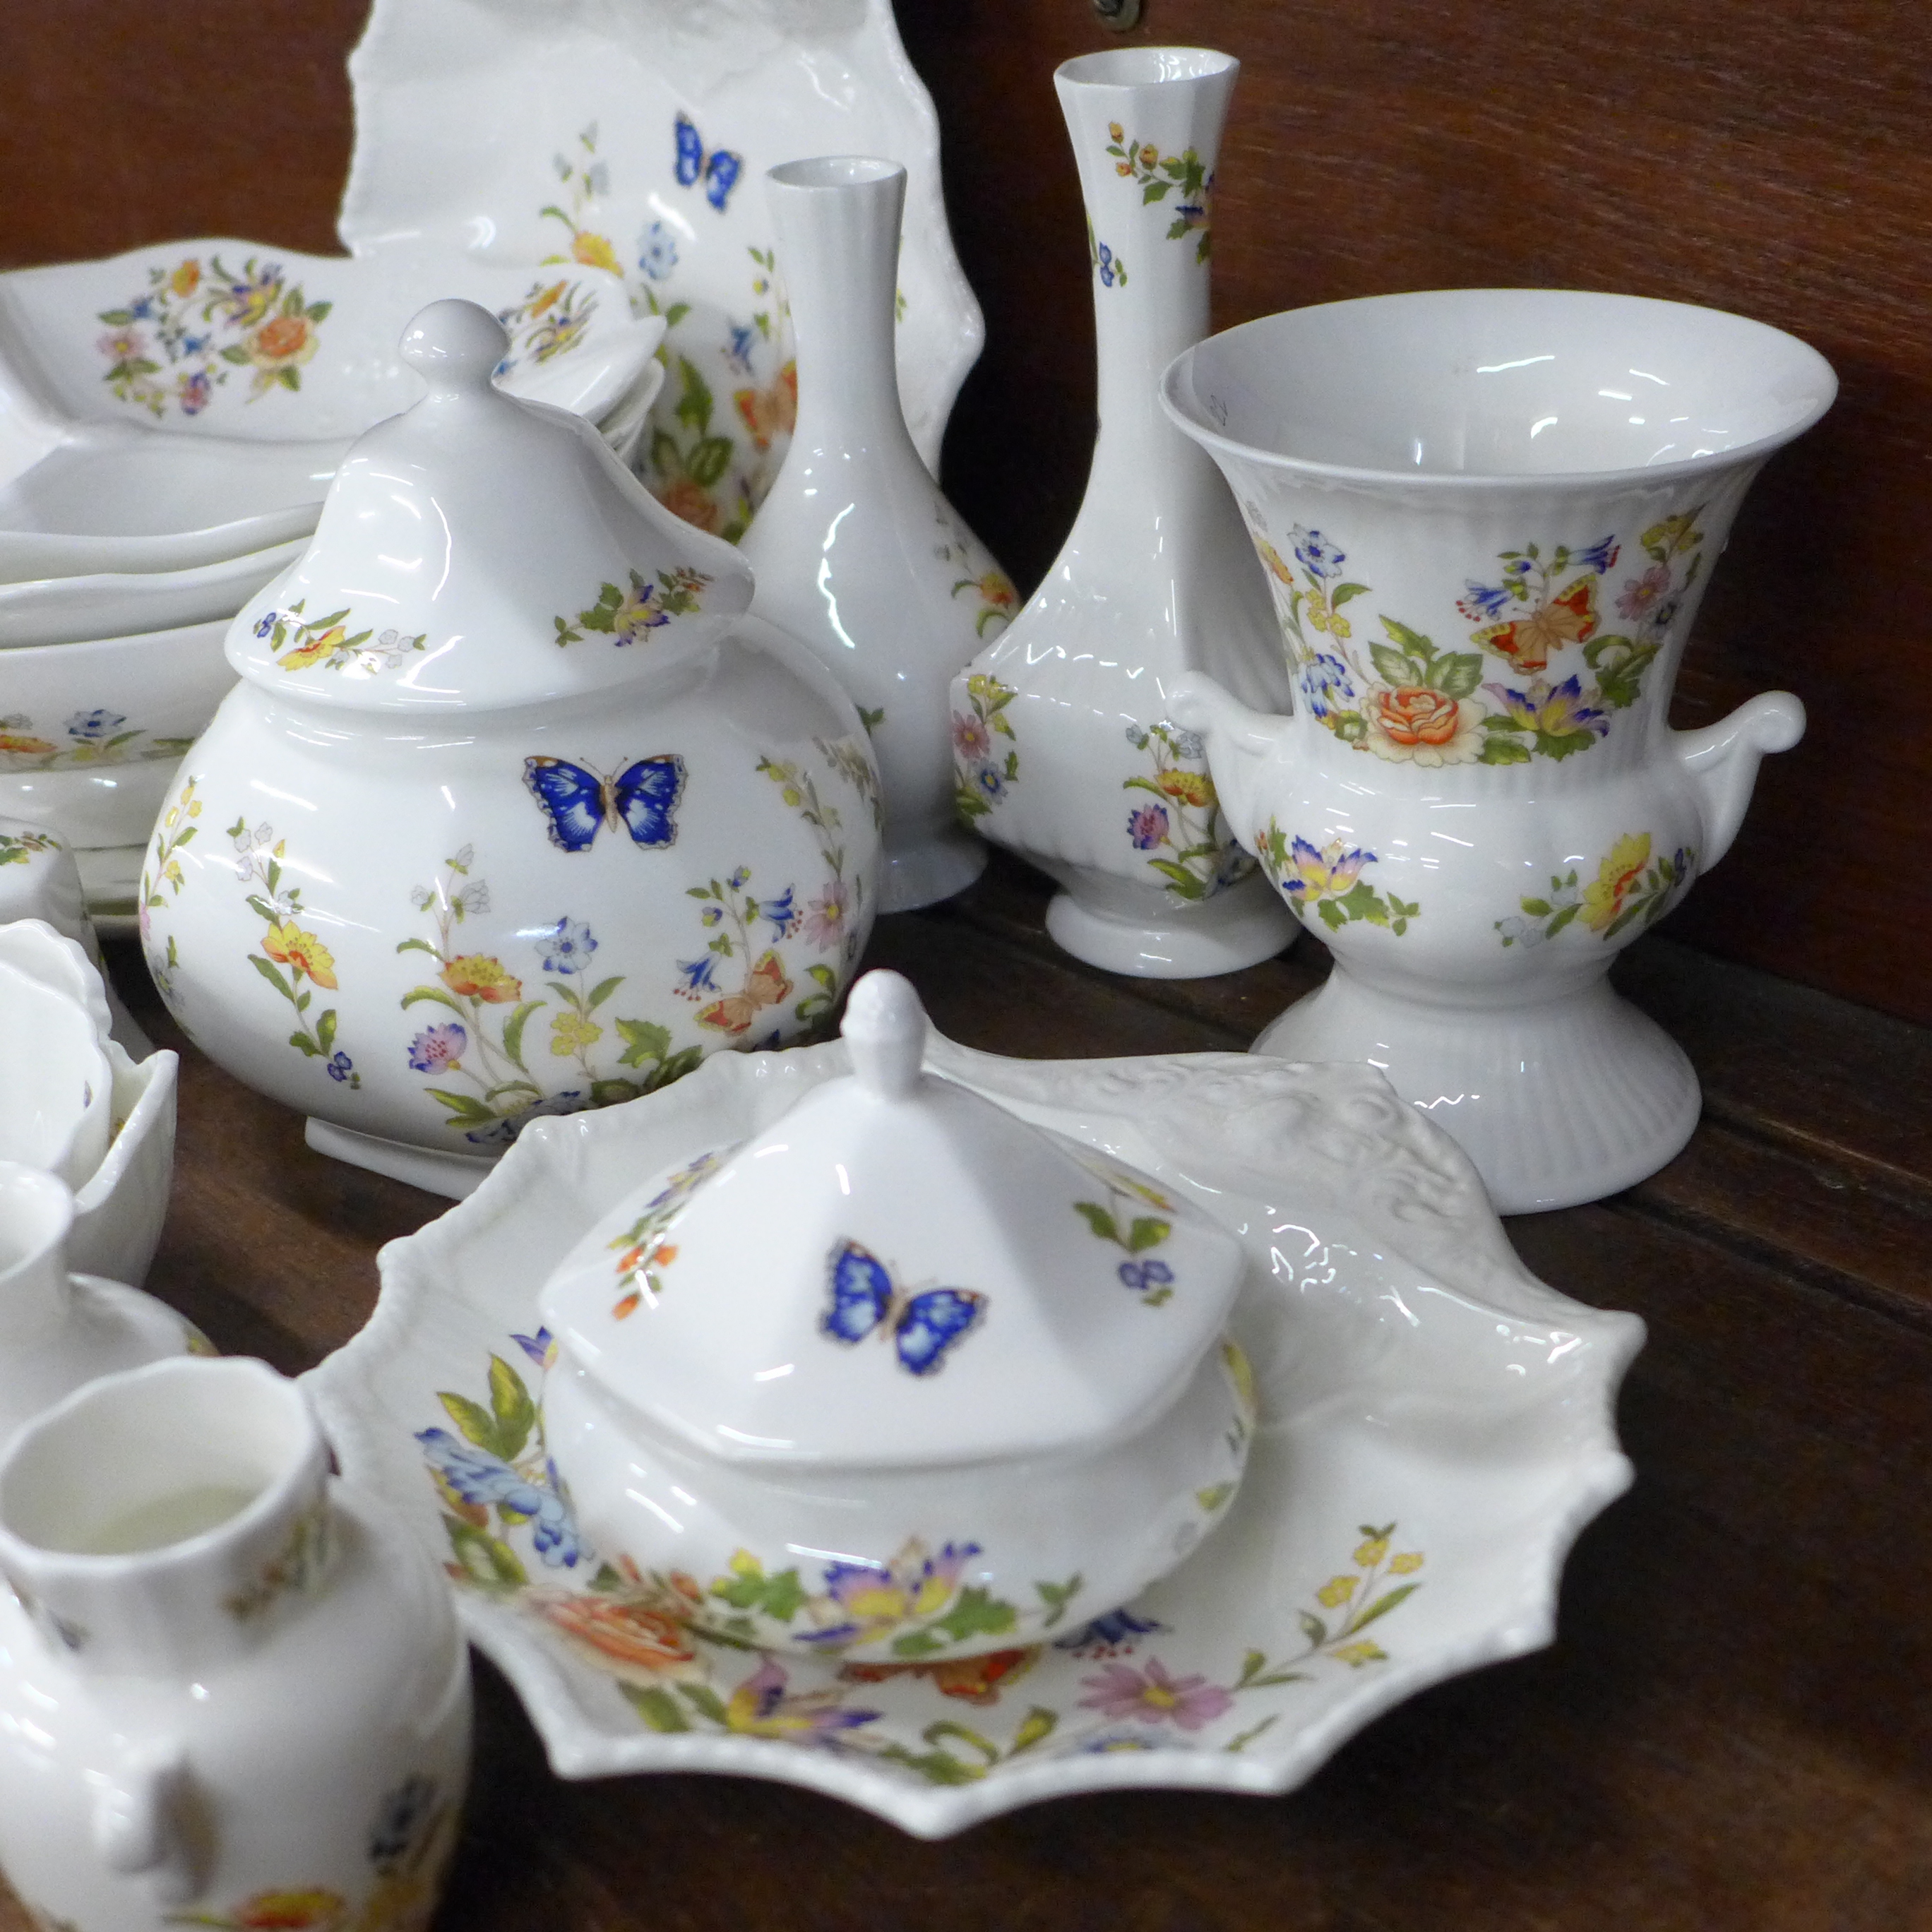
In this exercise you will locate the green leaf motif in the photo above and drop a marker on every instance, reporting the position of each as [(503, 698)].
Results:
[(515, 1413), (1097, 1218), (656, 1706)]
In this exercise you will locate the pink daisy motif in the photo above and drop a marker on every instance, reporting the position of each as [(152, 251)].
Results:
[(1154, 1697), (825, 916), (971, 738)]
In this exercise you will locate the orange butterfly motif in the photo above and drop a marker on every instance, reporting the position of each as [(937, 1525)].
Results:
[(765, 985), (772, 412), (1527, 642), (972, 1680)]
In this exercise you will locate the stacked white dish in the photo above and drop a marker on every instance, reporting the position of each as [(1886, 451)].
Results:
[(169, 421)]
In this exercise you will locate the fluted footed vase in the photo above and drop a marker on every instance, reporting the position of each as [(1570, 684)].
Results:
[(1488, 517), (1065, 747)]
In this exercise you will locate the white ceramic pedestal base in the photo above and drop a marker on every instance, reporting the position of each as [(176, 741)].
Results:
[(912, 876), (430, 1169), (1556, 1103), (1129, 928)]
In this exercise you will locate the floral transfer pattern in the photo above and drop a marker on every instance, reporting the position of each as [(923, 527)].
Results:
[(206, 322), (980, 773), (1630, 889), (690, 1656), (645, 1254), (1181, 832), (1118, 1219), (410, 1841), (326, 641), (549, 322), (98, 737), (487, 1045), (707, 464), (1158, 175), (980, 578), (293, 960), (624, 615), (18, 848), (1408, 701), (1328, 881)]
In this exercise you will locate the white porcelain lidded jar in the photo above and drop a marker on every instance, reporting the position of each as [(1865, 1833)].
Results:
[(925, 1379), (503, 819), (232, 1690), (857, 552), (1065, 744)]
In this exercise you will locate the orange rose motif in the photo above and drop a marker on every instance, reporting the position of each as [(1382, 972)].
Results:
[(285, 339), (1412, 715), (994, 589), (1194, 788), (634, 1637), (476, 976), (693, 502)]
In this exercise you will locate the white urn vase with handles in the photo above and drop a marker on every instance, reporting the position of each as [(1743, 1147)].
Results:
[(232, 1689), (1489, 517), (1066, 746), (856, 553)]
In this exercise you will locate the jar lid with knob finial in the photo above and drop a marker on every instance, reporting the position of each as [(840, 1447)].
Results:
[(479, 551)]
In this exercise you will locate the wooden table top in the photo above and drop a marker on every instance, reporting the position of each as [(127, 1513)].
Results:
[(1734, 1726)]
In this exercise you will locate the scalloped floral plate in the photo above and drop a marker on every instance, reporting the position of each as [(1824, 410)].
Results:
[(634, 138), (1437, 1426)]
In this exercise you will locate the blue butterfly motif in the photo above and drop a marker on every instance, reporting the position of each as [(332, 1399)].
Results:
[(923, 1327), (580, 802), (719, 170)]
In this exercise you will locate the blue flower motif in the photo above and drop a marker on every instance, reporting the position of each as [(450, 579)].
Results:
[(1116, 1627), (1483, 603), (141, 309), (738, 349), (1317, 553), (1326, 684), (1599, 556), (739, 877), (477, 1477), (657, 251), (992, 782), (404, 1812), (566, 946), (780, 912), (1108, 1743), (266, 624), (340, 1066), (193, 345), (90, 727), (1106, 266), (541, 1347), (700, 975), (1518, 566), (1142, 1276)]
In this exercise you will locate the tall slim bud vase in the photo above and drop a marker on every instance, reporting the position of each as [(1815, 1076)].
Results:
[(856, 552), (1065, 749)]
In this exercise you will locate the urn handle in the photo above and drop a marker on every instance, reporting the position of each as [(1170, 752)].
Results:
[(1239, 738), (140, 1820), (1723, 758)]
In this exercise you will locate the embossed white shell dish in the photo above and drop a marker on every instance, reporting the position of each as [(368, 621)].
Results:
[(975, 1376), (503, 818), (1412, 1377)]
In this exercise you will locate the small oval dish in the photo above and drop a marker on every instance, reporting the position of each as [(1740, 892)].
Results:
[(975, 1374)]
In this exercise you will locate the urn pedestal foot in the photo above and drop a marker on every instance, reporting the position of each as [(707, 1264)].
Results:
[(931, 869), (1131, 928), (1557, 1103), (430, 1169)]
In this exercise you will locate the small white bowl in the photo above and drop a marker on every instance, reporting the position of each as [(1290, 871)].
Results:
[(56, 1088)]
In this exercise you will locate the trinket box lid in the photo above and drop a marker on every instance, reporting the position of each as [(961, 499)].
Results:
[(478, 552), (896, 1274)]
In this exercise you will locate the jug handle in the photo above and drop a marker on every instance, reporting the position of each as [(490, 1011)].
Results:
[(1243, 736), (140, 1823), (1722, 760)]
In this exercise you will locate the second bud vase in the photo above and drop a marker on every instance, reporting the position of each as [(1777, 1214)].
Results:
[(857, 553), (1065, 747)]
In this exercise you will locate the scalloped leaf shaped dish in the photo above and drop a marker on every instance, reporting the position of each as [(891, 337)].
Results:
[(635, 138), (1436, 1427)]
